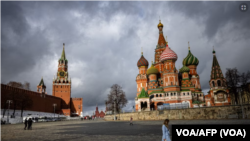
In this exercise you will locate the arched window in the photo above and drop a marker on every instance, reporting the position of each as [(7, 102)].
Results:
[(174, 94), (167, 94), (200, 94), (188, 93), (183, 93), (219, 83), (171, 94), (213, 83), (160, 95), (156, 95)]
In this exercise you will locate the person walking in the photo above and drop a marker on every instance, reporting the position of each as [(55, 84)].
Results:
[(165, 131), (25, 123), (131, 121), (30, 124)]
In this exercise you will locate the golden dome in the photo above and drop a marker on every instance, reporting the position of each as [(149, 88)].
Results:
[(160, 24)]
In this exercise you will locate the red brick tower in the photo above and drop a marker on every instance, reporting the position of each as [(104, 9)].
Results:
[(62, 84), (160, 48), (219, 93), (41, 88)]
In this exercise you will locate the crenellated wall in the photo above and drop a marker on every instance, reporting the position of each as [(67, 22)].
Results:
[(41, 102), (223, 112)]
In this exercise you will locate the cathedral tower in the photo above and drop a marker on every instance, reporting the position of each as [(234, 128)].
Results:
[(62, 82), (192, 62), (160, 47), (218, 88), (141, 78), (170, 74)]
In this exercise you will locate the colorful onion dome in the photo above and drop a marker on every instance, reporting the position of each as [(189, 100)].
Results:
[(168, 54), (184, 69), (160, 24), (190, 60), (142, 61), (152, 70)]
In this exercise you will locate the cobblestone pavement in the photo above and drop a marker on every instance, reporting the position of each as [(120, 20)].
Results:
[(96, 130)]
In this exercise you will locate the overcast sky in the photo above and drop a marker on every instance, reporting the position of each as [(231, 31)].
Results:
[(103, 41)]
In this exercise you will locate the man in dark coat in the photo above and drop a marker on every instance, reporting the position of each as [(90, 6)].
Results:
[(30, 124), (25, 123)]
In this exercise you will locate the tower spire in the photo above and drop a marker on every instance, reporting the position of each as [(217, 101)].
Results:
[(161, 40), (63, 56), (216, 70)]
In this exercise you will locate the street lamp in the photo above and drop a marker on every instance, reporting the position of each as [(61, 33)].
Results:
[(240, 89), (114, 106), (8, 101), (54, 109)]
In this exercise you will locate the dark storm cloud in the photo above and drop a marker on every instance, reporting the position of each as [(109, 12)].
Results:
[(214, 15), (20, 49), (103, 41)]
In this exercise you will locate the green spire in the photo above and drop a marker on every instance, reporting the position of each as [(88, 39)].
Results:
[(143, 94), (216, 70), (63, 56), (41, 82)]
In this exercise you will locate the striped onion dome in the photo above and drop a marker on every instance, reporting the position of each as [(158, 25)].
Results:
[(152, 70), (184, 69), (168, 54), (142, 61), (190, 60)]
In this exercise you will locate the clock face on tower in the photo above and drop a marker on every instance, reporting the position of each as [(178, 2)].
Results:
[(61, 73)]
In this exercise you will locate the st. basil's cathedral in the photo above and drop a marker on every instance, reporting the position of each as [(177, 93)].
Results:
[(163, 84)]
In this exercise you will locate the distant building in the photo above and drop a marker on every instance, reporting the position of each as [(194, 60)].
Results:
[(99, 114)]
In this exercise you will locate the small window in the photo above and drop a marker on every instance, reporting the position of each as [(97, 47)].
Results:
[(156, 95), (160, 95), (171, 94), (167, 94), (174, 94), (188, 93), (183, 93)]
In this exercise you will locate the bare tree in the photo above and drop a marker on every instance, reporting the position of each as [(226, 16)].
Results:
[(14, 94), (245, 78), (233, 80), (26, 85), (117, 96), (15, 84)]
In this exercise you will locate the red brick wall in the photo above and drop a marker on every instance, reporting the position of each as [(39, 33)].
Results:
[(76, 105), (43, 104)]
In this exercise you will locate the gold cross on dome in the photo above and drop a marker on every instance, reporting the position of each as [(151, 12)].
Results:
[(188, 46)]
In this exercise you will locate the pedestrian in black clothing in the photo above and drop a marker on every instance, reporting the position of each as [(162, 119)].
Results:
[(30, 124), (25, 123)]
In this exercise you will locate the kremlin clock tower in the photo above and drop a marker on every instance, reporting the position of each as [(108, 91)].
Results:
[(62, 82)]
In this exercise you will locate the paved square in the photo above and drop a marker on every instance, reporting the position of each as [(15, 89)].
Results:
[(97, 130)]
